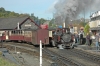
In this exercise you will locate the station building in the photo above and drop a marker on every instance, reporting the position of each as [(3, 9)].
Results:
[(16, 25), (95, 22)]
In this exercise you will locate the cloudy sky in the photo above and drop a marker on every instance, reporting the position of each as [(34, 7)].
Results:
[(40, 8)]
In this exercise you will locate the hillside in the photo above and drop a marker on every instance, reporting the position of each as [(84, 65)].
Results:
[(4, 13)]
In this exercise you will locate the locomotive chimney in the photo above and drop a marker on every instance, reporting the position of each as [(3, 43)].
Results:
[(18, 25), (64, 25)]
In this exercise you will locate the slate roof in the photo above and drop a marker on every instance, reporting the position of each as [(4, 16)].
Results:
[(11, 23)]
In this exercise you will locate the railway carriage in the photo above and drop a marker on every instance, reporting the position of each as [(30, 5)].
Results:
[(3, 35), (29, 35), (34, 36), (12, 35), (16, 35)]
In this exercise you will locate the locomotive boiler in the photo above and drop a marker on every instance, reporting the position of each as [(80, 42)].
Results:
[(62, 37)]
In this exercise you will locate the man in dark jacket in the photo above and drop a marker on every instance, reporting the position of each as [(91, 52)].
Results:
[(81, 38)]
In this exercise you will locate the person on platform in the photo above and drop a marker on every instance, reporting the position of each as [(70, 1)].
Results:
[(76, 37), (88, 39), (81, 37), (97, 41)]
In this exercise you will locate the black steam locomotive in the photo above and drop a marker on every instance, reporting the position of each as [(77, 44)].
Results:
[(62, 37)]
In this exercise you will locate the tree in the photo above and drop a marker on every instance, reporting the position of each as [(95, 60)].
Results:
[(87, 29), (2, 9), (4, 13), (32, 16), (50, 24), (82, 24), (42, 20)]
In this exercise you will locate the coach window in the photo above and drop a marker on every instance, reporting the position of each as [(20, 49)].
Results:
[(27, 33), (17, 32), (20, 32), (13, 32)]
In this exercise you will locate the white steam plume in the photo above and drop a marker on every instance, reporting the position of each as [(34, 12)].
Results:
[(66, 10)]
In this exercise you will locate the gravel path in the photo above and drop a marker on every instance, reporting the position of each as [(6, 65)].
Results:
[(28, 60)]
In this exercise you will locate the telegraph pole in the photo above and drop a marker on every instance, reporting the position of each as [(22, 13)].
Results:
[(40, 53), (84, 14)]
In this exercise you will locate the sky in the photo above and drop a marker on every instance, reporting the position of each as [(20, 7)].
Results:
[(40, 8)]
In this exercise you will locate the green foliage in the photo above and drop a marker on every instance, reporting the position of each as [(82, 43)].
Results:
[(4, 13), (4, 62), (37, 20), (42, 20), (82, 24), (51, 23), (2, 9), (87, 29)]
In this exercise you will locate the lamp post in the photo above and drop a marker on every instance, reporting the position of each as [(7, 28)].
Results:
[(71, 23), (84, 14)]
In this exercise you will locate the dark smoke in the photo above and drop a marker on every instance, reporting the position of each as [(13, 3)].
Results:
[(66, 10)]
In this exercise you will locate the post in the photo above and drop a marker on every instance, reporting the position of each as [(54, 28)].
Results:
[(2, 40), (40, 53), (84, 16), (15, 49), (18, 25)]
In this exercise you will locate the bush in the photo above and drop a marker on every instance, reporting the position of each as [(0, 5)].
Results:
[(4, 62)]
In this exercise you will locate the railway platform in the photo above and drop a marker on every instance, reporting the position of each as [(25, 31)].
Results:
[(7, 55), (86, 47), (89, 49)]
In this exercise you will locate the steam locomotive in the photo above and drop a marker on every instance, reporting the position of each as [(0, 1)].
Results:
[(62, 37)]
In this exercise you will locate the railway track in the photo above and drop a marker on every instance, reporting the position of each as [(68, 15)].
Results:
[(89, 56), (14, 48), (83, 58), (60, 59), (65, 57)]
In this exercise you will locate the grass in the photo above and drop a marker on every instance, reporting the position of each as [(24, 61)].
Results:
[(4, 62)]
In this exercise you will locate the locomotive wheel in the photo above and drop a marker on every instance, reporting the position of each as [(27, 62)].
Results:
[(63, 46), (53, 43), (72, 46)]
